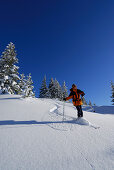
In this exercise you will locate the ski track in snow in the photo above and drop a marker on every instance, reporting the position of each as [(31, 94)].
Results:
[(57, 116)]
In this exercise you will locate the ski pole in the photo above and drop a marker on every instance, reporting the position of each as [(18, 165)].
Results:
[(63, 110)]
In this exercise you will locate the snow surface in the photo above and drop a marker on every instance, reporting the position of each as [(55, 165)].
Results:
[(35, 137), (100, 109)]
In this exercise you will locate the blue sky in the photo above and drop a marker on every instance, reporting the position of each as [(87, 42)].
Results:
[(66, 40)]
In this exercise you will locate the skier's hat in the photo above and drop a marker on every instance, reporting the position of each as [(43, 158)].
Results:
[(73, 85)]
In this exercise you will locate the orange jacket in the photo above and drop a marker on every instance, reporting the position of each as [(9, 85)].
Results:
[(75, 95)]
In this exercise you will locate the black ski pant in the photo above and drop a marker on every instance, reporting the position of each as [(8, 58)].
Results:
[(80, 112)]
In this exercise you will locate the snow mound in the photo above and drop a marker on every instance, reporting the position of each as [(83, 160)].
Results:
[(53, 109), (82, 121)]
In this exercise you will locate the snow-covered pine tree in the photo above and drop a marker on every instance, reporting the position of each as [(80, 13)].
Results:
[(1, 76), (28, 87), (44, 91), (52, 88), (84, 100), (90, 104), (22, 84), (64, 90), (9, 71), (112, 90), (56, 83), (58, 90)]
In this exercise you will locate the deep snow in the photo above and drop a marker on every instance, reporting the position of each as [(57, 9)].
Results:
[(35, 136)]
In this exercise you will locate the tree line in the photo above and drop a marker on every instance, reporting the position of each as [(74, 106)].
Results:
[(10, 80), (54, 90), (14, 83)]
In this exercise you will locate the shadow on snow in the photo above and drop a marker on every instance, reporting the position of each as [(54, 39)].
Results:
[(10, 98), (31, 122)]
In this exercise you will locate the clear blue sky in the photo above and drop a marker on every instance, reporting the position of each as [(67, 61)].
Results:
[(69, 40)]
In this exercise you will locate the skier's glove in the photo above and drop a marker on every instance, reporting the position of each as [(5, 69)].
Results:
[(64, 99)]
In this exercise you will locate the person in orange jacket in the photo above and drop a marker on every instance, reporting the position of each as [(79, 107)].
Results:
[(75, 95)]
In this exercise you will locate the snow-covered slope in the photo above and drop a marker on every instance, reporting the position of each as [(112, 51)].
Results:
[(34, 135), (99, 109)]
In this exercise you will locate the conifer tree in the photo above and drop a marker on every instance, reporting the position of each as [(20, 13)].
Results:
[(27, 87), (112, 90), (90, 104), (22, 84), (56, 83), (44, 91), (64, 90), (84, 100), (9, 71), (58, 90), (60, 93), (52, 88), (2, 77)]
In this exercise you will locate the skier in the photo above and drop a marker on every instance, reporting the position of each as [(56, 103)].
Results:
[(75, 95)]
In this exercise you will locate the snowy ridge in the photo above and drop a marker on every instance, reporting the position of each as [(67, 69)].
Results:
[(34, 135), (99, 109)]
